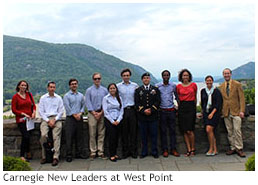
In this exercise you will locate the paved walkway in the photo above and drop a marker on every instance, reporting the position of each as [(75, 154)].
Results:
[(199, 162)]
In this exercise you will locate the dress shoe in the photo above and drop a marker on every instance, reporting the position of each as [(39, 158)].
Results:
[(231, 152), (240, 153), (92, 157), (155, 156), (55, 162), (43, 161), (102, 156), (165, 153), (69, 159), (28, 156), (134, 156), (175, 153), (142, 156)]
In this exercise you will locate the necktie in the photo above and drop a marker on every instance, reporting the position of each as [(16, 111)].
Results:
[(227, 89)]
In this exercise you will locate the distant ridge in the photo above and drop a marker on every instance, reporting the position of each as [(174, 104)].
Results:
[(246, 71), (39, 62)]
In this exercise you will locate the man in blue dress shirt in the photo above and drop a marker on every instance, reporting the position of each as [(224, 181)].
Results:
[(129, 124), (94, 96), (74, 104), (167, 114)]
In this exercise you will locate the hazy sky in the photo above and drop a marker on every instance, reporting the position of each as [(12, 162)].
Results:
[(205, 38)]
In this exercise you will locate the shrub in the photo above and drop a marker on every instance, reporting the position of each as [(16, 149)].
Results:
[(250, 164), (15, 164)]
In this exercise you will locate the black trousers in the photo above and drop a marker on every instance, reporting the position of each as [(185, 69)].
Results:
[(73, 133), (129, 127), (25, 143), (113, 135)]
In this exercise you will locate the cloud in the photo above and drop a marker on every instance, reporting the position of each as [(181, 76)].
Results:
[(201, 37)]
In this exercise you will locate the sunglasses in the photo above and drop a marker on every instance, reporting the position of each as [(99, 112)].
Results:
[(96, 78)]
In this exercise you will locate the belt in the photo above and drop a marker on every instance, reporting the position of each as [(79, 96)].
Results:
[(129, 107), (169, 109)]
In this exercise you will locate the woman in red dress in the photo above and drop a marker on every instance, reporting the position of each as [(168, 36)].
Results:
[(187, 91), (23, 107)]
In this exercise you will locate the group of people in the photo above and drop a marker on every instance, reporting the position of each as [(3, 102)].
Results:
[(120, 109)]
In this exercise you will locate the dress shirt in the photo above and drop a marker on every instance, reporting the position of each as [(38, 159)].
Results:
[(167, 93), (51, 106), (94, 96), (147, 87), (74, 103), (126, 91), (111, 108)]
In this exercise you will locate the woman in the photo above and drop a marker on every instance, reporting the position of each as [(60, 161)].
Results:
[(23, 107), (113, 113), (211, 102), (187, 91)]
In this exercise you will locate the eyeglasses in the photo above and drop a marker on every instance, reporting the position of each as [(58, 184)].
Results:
[(73, 83), (96, 79)]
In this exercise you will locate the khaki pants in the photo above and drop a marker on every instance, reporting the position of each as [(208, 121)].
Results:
[(96, 128), (233, 125), (56, 131)]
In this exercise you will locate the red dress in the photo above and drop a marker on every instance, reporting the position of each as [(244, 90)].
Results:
[(187, 93), (187, 106), (21, 105)]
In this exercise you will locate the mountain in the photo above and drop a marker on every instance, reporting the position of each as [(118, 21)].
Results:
[(246, 71), (39, 62)]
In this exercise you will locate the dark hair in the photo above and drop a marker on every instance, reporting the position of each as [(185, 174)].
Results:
[(126, 70), (117, 94), (209, 76), (180, 75), (164, 72), (71, 80), (19, 83), (50, 82), (96, 73), (227, 69)]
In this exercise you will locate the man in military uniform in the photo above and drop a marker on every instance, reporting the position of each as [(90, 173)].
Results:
[(147, 101)]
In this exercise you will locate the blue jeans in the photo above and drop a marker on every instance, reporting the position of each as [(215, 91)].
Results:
[(152, 128)]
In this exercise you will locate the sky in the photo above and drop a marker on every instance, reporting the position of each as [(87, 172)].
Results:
[(202, 37)]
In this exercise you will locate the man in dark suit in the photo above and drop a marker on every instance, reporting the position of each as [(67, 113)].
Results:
[(147, 101)]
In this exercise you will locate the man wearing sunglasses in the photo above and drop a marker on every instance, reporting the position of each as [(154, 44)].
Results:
[(94, 96)]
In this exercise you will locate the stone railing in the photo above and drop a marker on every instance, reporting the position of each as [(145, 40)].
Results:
[(12, 138)]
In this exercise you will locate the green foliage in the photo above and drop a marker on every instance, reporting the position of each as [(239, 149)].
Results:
[(198, 108), (9, 117), (249, 96), (15, 164), (7, 108), (41, 62), (250, 164)]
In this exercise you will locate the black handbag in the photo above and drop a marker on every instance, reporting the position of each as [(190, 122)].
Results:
[(49, 147)]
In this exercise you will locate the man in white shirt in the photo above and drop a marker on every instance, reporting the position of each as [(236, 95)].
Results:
[(51, 109)]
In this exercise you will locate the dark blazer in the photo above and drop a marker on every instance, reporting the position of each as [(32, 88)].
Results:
[(145, 99), (216, 100)]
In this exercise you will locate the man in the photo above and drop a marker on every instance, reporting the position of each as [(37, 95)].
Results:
[(126, 90), (233, 110), (147, 100), (94, 96), (74, 106), (51, 109), (167, 114)]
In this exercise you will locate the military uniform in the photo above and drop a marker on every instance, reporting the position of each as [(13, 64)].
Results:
[(144, 99)]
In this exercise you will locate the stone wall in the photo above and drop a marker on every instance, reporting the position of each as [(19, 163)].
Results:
[(12, 138)]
